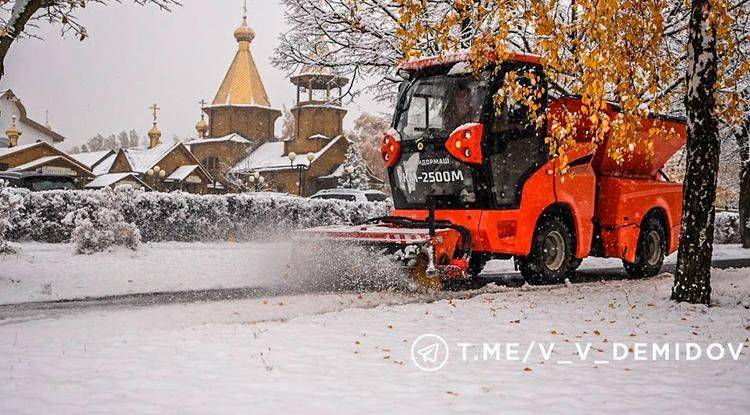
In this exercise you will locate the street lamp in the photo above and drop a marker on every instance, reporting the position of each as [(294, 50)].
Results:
[(256, 177), (300, 167), (157, 173)]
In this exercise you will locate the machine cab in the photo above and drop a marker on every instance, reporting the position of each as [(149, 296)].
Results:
[(453, 147)]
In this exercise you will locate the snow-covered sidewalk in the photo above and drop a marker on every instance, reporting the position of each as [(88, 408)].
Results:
[(42, 272), (247, 357)]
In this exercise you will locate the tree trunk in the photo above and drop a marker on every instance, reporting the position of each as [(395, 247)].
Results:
[(693, 275), (743, 142), (16, 28)]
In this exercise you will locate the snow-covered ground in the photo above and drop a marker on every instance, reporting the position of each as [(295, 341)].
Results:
[(351, 353), (40, 272)]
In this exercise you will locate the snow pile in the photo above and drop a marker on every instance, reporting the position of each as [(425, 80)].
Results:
[(181, 216), (727, 228), (11, 204), (104, 229)]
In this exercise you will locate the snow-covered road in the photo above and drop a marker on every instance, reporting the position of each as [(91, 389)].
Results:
[(351, 353), (51, 272), (270, 349)]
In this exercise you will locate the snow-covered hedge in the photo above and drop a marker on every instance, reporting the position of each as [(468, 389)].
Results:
[(41, 216), (181, 216), (11, 204)]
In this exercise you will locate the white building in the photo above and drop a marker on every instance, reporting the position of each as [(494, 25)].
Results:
[(31, 131)]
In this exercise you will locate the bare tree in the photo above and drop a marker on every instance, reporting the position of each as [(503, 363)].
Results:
[(361, 39), (19, 17)]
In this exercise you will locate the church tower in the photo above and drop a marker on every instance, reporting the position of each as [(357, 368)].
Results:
[(241, 105), (318, 116)]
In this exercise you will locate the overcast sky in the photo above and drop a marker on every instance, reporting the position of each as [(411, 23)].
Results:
[(136, 56)]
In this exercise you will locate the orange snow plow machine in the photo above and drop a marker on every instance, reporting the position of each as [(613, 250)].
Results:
[(472, 181)]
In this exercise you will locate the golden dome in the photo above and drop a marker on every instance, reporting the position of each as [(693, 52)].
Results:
[(13, 131), (154, 132), (201, 126), (244, 33)]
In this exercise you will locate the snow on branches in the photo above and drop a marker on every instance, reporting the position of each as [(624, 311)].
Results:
[(355, 169), (362, 39)]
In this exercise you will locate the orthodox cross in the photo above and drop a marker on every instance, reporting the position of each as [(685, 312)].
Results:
[(154, 108)]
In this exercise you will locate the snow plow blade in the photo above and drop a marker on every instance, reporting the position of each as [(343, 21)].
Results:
[(428, 254)]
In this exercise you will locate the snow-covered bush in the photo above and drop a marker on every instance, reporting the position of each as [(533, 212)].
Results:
[(105, 229), (183, 217), (727, 228), (11, 204)]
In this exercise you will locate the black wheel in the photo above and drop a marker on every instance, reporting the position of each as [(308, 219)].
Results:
[(652, 248), (552, 257)]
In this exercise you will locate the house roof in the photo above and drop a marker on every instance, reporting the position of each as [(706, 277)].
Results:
[(112, 178), (234, 138), (24, 118), (339, 172), (142, 159), (104, 165), (92, 158), (35, 163), (11, 150), (270, 156), (5, 152), (181, 173)]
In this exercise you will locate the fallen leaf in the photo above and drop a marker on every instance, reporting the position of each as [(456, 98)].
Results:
[(527, 369), (597, 333)]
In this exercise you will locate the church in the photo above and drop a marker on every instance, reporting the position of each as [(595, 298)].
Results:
[(235, 150), (237, 144)]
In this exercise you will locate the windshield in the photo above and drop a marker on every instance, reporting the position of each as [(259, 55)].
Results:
[(349, 198), (436, 105), (41, 184)]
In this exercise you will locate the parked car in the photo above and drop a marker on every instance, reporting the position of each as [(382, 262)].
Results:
[(351, 195), (38, 182)]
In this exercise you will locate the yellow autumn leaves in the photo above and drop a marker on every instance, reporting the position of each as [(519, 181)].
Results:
[(630, 53)]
